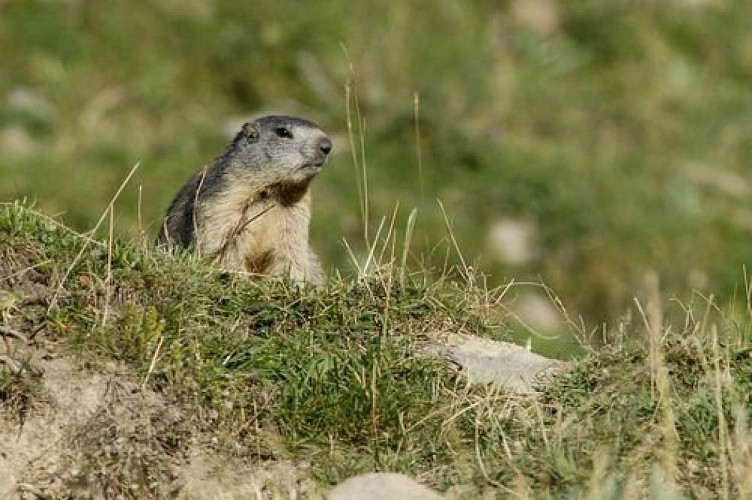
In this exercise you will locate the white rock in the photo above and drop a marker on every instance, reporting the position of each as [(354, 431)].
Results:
[(485, 361), (539, 16), (536, 312), (25, 99), (15, 142), (513, 240), (381, 486)]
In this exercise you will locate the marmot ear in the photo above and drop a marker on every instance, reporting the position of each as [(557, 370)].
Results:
[(250, 131)]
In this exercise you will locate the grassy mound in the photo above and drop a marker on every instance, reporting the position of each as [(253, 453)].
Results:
[(617, 133), (271, 371)]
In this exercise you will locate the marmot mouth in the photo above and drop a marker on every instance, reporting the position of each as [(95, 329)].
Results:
[(314, 165), (307, 171)]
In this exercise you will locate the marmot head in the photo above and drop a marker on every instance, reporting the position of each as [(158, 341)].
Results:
[(282, 148)]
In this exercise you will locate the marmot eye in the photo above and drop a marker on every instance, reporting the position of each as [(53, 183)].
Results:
[(283, 132)]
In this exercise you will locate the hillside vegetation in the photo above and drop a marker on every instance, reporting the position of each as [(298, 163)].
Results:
[(574, 175), (258, 373), (615, 134)]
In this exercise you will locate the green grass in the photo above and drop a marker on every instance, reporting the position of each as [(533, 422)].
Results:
[(621, 132), (331, 375)]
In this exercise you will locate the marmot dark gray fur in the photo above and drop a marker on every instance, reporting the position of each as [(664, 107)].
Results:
[(249, 210)]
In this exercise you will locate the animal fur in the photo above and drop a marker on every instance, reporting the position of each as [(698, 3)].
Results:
[(250, 209)]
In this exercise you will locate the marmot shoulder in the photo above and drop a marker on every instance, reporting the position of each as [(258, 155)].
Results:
[(249, 210)]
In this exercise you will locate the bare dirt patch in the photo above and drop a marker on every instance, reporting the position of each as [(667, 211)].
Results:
[(102, 435)]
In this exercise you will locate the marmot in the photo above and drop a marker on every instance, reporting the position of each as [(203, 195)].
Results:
[(249, 210)]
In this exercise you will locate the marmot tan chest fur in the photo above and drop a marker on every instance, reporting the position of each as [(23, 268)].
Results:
[(249, 210)]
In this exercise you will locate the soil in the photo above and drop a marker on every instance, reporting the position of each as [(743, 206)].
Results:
[(101, 435)]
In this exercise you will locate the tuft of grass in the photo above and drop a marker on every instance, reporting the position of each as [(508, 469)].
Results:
[(20, 393)]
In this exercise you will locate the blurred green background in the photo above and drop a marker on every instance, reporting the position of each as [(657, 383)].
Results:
[(585, 144)]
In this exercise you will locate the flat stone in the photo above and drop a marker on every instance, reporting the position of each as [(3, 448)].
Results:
[(381, 486), (485, 361)]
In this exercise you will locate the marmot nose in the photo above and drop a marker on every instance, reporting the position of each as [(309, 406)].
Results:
[(325, 145)]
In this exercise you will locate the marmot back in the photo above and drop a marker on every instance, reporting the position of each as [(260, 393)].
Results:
[(250, 209)]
